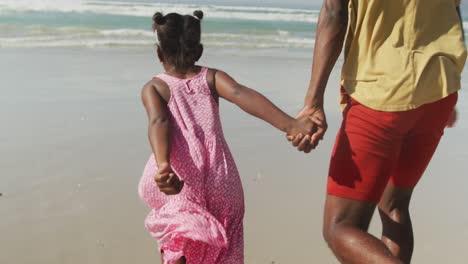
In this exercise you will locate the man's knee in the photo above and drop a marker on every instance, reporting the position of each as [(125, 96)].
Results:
[(338, 233), (394, 205), (343, 215), (330, 235)]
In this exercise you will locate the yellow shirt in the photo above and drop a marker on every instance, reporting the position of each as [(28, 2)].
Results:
[(401, 54)]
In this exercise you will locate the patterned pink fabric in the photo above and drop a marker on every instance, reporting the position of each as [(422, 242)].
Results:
[(204, 222)]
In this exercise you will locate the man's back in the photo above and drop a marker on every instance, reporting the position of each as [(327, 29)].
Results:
[(401, 54)]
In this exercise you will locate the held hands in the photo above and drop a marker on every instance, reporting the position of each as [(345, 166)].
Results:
[(309, 141), (167, 181), (301, 127)]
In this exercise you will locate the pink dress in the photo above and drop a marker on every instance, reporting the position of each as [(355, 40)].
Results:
[(204, 222)]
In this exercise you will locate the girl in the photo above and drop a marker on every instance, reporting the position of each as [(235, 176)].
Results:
[(197, 202)]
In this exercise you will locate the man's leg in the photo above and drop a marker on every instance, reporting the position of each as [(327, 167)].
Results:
[(416, 152), (397, 230), (366, 152), (345, 229)]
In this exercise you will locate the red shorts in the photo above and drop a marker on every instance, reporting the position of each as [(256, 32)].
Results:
[(374, 148)]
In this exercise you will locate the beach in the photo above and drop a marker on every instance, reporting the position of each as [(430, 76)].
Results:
[(74, 144)]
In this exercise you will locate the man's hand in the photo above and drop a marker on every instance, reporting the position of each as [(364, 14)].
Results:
[(302, 127), (167, 181), (308, 142), (453, 119)]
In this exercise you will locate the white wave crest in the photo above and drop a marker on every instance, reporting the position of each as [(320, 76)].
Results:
[(128, 33), (142, 9), (40, 36)]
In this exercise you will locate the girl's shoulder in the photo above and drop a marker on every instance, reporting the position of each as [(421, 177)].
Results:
[(211, 81), (210, 77), (159, 86)]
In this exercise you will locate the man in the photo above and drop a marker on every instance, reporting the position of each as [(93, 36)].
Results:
[(403, 62)]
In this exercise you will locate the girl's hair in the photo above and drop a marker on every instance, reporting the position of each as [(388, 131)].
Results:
[(179, 38)]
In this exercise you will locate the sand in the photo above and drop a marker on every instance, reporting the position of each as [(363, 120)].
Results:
[(73, 146)]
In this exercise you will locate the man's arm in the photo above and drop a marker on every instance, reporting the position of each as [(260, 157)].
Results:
[(331, 31)]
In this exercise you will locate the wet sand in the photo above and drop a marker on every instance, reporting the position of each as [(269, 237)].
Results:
[(73, 146)]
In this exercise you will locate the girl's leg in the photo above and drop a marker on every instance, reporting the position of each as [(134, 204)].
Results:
[(180, 261)]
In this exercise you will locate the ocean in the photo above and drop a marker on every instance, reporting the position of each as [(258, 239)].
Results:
[(29, 23), (102, 23)]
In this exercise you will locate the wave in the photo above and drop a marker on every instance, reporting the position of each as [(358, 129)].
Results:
[(279, 40), (144, 9), (41, 36)]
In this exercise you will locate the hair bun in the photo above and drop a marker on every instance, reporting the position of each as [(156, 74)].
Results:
[(158, 18), (198, 14)]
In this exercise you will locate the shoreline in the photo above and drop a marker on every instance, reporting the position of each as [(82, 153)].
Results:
[(74, 147)]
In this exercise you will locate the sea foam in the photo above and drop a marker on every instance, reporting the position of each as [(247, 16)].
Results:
[(143, 9)]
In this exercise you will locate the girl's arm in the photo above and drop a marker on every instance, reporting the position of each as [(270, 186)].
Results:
[(259, 106), (159, 137), (158, 123)]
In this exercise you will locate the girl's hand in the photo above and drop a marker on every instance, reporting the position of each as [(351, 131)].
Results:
[(167, 181), (301, 130), (317, 116)]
